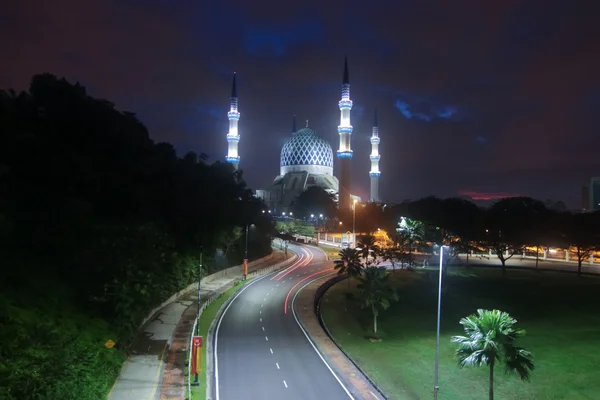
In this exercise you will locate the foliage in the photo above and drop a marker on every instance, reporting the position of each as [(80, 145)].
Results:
[(368, 247), (103, 223), (314, 200), (348, 263), (376, 291), (490, 338)]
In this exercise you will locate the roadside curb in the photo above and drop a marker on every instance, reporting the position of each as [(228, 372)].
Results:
[(317, 309), (210, 373)]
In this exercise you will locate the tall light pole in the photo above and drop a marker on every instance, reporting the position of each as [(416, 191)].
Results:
[(354, 223), (436, 387), (245, 271)]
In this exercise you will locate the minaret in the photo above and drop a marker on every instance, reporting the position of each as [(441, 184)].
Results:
[(344, 153), (233, 137), (375, 173)]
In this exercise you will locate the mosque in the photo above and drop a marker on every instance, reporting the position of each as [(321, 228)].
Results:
[(307, 159)]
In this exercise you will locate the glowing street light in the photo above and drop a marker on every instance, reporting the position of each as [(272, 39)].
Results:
[(354, 223), (436, 387)]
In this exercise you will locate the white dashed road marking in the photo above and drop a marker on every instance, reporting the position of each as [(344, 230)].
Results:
[(277, 365), (263, 328), (260, 319), (284, 383), (271, 350), (266, 338)]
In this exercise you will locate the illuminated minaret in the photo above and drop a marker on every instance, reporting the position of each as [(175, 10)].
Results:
[(375, 173), (233, 137), (344, 153)]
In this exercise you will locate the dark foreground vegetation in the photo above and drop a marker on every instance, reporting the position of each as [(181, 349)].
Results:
[(558, 311), (99, 224)]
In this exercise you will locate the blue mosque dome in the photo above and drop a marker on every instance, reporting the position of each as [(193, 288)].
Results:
[(306, 151)]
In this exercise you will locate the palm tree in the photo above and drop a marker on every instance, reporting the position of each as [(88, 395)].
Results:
[(376, 291), (490, 338), (367, 243), (348, 263), (392, 254)]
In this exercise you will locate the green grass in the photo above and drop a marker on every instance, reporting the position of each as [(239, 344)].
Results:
[(332, 252), (207, 317), (558, 311)]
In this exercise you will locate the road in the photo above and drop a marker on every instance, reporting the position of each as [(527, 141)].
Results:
[(260, 350)]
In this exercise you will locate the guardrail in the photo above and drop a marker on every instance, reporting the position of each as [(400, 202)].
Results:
[(317, 308), (219, 293)]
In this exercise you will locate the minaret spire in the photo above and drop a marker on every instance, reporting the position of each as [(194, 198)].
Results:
[(233, 136), (346, 79), (375, 157), (344, 153)]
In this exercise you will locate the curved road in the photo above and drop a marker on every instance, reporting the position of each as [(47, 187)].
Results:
[(261, 351)]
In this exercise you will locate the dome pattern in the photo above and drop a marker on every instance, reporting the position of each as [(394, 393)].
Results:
[(306, 148)]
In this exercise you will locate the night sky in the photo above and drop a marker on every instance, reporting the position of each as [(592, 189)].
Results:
[(480, 98)]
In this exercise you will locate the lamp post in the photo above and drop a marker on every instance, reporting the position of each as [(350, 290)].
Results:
[(436, 387), (245, 271), (197, 333), (354, 223)]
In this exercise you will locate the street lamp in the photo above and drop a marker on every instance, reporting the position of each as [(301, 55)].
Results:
[(245, 271), (436, 388), (354, 223)]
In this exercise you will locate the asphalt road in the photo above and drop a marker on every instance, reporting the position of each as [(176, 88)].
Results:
[(260, 350)]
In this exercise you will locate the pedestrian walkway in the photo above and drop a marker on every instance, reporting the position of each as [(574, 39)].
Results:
[(158, 343)]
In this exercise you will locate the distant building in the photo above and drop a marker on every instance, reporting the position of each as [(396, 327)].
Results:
[(585, 198), (595, 193)]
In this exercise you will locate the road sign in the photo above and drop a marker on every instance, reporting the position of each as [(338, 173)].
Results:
[(109, 344)]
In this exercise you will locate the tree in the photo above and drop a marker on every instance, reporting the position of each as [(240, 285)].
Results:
[(231, 237), (376, 291), (491, 338), (368, 246), (409, 232), (392, 254), (582, 233), (314, 200), (348, 263)]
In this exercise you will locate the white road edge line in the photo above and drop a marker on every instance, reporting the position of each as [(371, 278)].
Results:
[(215, 352), (284, 383), (311, 342)]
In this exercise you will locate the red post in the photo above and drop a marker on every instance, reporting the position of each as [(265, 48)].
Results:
[(196, 357), (245, 268)]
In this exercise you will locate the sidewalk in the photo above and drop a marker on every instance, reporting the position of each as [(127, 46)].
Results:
[(353, 379), (161, 349)]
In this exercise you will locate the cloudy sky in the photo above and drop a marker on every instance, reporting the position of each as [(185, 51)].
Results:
[(480, 98)]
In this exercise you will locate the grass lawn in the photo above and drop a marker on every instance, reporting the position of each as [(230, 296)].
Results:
[(332, 252), (558, 311), (207, 317)]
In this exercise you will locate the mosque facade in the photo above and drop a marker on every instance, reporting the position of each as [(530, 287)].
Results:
[(307, 159)]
